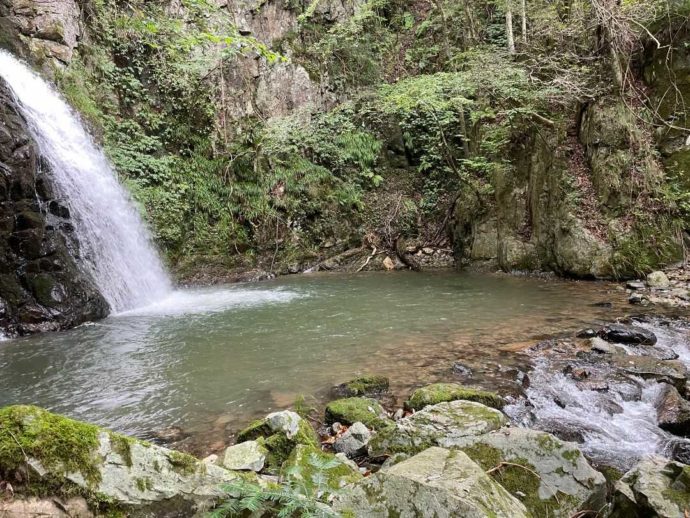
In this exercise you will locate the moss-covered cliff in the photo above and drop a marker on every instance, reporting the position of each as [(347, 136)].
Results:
[(278, 133)]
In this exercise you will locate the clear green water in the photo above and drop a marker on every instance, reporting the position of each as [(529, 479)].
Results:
[(210, 359)]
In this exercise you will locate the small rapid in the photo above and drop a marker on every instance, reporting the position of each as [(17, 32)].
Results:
[(115, 247), (612, 414)]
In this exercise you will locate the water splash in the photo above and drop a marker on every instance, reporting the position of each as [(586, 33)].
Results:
[(617, 426), (115, 246)]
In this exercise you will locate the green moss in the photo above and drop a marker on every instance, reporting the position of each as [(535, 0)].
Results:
[(122, 445), (256, 429), (62, 445), (144, 484), (183, 463), (366, 386), (572, 456), (679, 490), (518, 478), (303, 463), (442, 392), (549, 443), (351, 410)]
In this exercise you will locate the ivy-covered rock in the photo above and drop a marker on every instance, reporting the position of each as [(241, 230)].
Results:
[(357, 409), (368, 386), (442, 392), (64, 456), (279, 433), (551, 477), (445, 425), (655, 487), (306, 461), (435, 482)]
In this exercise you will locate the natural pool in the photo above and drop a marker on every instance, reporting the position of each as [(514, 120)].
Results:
[(210, 359)]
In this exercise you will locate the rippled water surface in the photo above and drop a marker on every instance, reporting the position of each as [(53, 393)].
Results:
[(212, 358)]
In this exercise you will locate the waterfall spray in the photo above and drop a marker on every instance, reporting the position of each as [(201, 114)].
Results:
[(115, 247)]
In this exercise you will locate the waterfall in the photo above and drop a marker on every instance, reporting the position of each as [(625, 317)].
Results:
[(115, 246)]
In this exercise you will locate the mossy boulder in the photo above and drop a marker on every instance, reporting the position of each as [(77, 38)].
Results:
[(445, 425), (442, 392), (435, 482), (67, 457), (307, 461), (363, 386), (279, 433), (549, 476), (357, 409), (654, 487)]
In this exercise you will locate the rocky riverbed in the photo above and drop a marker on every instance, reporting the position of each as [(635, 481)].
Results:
[(596, 427)]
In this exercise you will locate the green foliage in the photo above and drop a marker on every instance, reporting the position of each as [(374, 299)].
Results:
[(303, 496)]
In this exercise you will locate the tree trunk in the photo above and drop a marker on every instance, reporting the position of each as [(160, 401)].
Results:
[(523, 7), (509, 29)]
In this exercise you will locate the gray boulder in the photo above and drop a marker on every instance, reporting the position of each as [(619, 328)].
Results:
[(353, 442), (656, 487), (435, 483), (549, 476), (445, 425), (245, 456), (658, 279), (673, 412), (648, 367)]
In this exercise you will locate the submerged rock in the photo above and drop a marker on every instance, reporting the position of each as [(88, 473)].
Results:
[(656, 487), (363, 386), (245, 456), (445, 425), (434, 483), (551, 477), (625, 334), (68, 457), (647, 367), (351, 410), (673, 412), (443, 392), (279, 433), (353, 442)]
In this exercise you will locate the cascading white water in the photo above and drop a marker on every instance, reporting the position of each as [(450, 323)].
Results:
[(115, 246)]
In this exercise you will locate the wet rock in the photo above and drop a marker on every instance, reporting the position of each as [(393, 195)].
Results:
[(109, 468), (553, 477), (523, 379), (169, 435), (602, 346), (351, 410), (635, 285), (658, 279), (435, 482), (279, 433), (368, 386), (678, 450), (595, 385), (460, 369), (442, 392), (602, 305), (673, 412), (639, 299), (670, 371), (442, 425), (656, 487), (586, 333), (245, 456), (627, 334), (353, 442)]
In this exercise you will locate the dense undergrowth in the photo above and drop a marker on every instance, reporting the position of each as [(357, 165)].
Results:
[(433, 106)]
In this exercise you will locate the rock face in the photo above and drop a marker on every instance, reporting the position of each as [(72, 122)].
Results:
[(445, 425), (41, 287), (655, 487), (47, 31), (549, 476), (72, 457), (434, 483)]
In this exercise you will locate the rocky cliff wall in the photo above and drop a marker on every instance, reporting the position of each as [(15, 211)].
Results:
[(41, 287)]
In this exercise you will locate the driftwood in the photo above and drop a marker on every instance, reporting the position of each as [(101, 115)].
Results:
[(406, 259), (335, 260)]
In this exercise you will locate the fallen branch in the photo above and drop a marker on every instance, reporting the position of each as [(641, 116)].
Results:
[(373, 253)]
